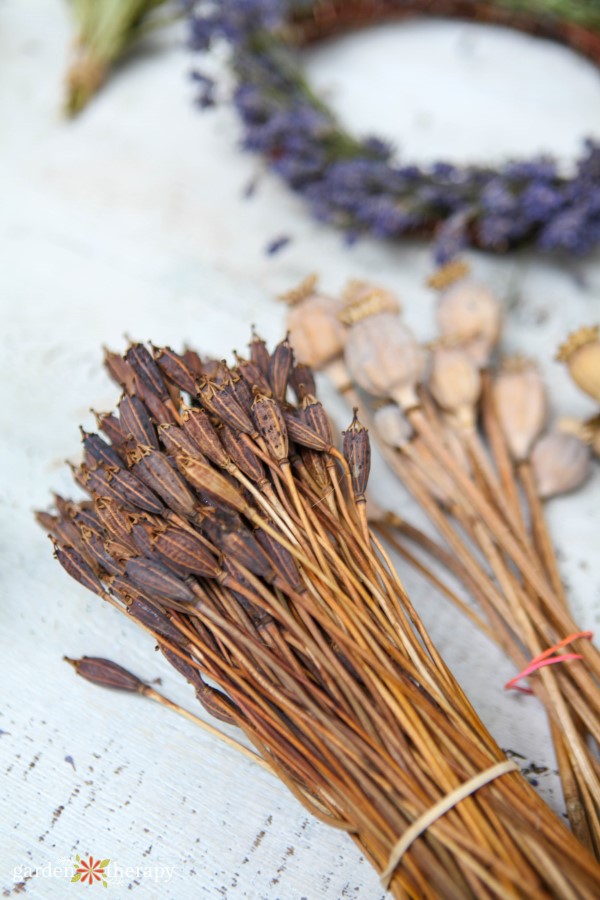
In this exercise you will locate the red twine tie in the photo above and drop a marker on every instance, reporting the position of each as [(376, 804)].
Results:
[(538, 662)]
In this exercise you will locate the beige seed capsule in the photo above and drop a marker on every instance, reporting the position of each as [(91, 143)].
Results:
[(561, 463), (469, 316), (455, 384), (581, 353), (587, 431), (384, 358), (392, 426), (315, 331), (520, 404)]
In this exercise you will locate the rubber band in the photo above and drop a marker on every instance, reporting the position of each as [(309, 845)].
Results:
[(538, 662), (441, 808)]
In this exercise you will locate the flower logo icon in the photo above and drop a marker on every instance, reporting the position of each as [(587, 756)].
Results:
[(90, 870)]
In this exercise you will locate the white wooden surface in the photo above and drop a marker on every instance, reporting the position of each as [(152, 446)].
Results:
[(131, 220)]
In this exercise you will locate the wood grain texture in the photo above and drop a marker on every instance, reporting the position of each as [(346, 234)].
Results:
[(131, 220)]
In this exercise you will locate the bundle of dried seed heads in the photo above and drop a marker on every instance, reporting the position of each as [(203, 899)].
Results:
[(465, 440), (222, 520)]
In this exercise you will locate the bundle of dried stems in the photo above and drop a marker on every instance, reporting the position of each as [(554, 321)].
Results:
[(234, 533), (465, 441)]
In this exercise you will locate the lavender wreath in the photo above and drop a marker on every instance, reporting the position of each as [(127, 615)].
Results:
[(359, 185)]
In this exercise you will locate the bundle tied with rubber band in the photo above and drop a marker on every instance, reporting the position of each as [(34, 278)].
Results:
[(221, 517)]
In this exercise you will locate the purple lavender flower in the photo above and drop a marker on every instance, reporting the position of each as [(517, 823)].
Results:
[(361, 186)]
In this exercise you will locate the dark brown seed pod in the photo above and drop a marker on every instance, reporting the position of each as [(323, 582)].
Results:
[(156, 580), (118, 551), (280, 366), (219, 705), (246, 550), (314, 415), (302, 381), (184, 550), (241, 391), (88, 517), (155, 620), (234, 574), (211, 483), (135, 422), (147, 372), (106, 674), (175, 368), (75, 565), (282, 562), (224, 406), (65, 507), (97, 452), (252, 375), (114, 519), (177, 441), (189, 672), (96, 548), (316, 464), (47, 521), (193, 361), (63, 529), (110, 425), (119, 370), (271, 426), (357, 453), (259, 354), (132, 493), (241, 454), (302, 434), (143, 537), (159, 411), (155, 470), (197, 425)]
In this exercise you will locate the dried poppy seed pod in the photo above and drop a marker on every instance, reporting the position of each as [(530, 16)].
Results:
[(106, 674), (271, 426), (561, 463), (469, 315), (157, 580), (520, 401), (315, 332), (581, 353), (588, 431), (368, 299), (392, 426), (119, 370), (357, 453), (455, 384), (135, 421), (211, 483), (259, 354), (302, 381), (157, 473), (223, 404), (149, 376), (280, 366), (110, 425), (97, 452), (174, 367), (151, 618), (199, 428), (384, 358), (76, 566)]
